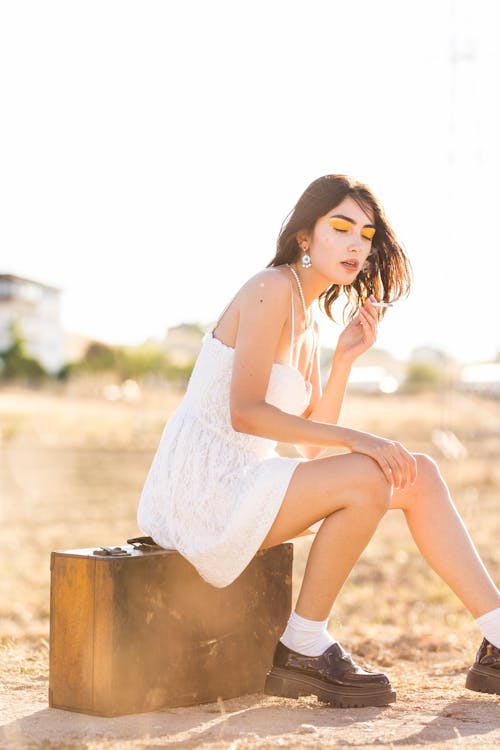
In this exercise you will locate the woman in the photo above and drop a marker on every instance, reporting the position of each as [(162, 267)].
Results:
[(217, 492)]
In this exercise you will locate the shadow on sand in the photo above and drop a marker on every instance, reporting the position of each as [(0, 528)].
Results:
[(457, 720), (257, 717)]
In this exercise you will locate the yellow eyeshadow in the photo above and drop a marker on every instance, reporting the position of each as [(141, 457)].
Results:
[(345, 226), (341, 224)]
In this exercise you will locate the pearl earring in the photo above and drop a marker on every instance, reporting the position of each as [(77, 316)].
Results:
[(306, 260)]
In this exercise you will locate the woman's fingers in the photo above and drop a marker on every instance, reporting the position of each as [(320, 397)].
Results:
[(412, 468), (407, 466), (398, 471), (383, 456), (386, 468), (368, 323), (374, 311), (369, 315), (398, 465)]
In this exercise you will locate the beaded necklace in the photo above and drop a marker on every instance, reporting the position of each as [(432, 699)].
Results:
[(308, 319)]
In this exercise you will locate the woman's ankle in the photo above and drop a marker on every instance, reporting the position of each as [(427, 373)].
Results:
[(307, 637)]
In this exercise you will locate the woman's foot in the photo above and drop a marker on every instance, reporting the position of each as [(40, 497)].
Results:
[(484, 675), (333, 677)]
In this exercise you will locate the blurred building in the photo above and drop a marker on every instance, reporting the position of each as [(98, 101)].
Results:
[(372, 379), (35, 308), (183, 342), (482, 378), (429, 355), (77, 345), (375, 371)]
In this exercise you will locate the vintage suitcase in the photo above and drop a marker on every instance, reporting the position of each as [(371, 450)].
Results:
[(140, 630)]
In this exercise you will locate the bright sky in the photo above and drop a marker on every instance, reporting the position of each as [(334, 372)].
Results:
[(150, 151)]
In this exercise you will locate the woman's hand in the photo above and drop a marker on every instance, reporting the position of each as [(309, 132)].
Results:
[(360, 334), (397, 464)]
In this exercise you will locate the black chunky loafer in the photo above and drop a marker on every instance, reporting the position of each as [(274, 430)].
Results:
[(333, 677), (484, 675)]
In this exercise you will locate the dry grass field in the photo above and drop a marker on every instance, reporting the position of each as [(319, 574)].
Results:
[(71, 469)]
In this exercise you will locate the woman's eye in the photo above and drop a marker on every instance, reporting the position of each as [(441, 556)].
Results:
[(340, 225), (368, 233)]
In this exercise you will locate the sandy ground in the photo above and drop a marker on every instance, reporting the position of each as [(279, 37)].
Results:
[(63, 483), (438, 713), (433, 708)]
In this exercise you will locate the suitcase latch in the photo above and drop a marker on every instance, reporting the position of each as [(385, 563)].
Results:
[(112, 552)]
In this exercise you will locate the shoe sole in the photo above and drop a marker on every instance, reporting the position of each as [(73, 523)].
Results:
[(287, 684), (483, 679)]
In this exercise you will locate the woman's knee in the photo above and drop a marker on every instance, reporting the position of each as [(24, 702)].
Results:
[(427, 469), (425, 490), (375, 489)]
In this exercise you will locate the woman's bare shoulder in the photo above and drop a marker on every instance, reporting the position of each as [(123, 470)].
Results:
[(263, 309), (273, 283)]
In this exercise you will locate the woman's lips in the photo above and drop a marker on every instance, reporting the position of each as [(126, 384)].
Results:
[(350, 265)]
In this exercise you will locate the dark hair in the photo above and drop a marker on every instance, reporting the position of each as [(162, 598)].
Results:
[(387, 273)]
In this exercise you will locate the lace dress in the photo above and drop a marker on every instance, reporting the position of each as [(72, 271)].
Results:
[(212, 493)]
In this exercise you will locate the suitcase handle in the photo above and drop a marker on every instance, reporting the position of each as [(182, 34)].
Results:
[(112, 552), (143, 543)]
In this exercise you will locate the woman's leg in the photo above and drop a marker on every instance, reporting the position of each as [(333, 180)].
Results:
[(443, 540), (351, 494)]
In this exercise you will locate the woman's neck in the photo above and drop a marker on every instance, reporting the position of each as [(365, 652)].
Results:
[(312, 283)]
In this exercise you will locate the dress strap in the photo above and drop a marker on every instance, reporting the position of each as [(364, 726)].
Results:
[(292, 338), (313, 353), (315, 341), (222, 313)]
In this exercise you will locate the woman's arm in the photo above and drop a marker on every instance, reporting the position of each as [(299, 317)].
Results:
[(358, 336), (326, 406), (262, 313), (263, 309)]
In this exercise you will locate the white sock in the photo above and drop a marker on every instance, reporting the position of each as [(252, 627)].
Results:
[(307, 637), (490, 626)]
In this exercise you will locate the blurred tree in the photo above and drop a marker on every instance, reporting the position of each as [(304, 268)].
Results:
[(137, 361), (128, 362), (149, 358), (423, 376), (98, 357), (15, 364)]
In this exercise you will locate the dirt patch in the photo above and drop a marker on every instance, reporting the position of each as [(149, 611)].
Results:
[(432, 709), (65, 484)]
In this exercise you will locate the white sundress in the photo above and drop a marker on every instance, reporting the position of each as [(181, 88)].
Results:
[(212, 493)]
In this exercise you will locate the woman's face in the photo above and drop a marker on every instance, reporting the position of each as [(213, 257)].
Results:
[(340, 242)]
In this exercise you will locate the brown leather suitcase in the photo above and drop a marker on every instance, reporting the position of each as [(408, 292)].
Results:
[(140, 630)]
